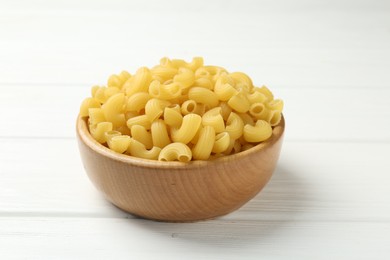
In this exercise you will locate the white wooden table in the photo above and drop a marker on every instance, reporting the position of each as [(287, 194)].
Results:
[(329, 61)]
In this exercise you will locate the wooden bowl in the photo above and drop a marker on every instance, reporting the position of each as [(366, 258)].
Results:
[(175, 191)]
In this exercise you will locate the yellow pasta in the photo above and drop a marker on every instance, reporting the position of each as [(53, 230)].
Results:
[(256, 97), (258, 110), (113, 109), (188, 129), (137, 101), (154, 108), (181, 111), (222, 142), (96, 115), (195, 139), (266, 92), (175, 152), (99, 93), (179, 63), (124, 130), (190, 106), (234, 126), (142, 135), (230, 147), (214, 119), (164, 91), (139, 83), (117, 81), (138, 149), (132, 114), (203, 147), (242, 78), (166, 62), (202, 73), (274, 117), (160, 136), (119, 143), (163, 73), (276, 104), (204, 96), (204, 83), (98, 131), (225, 110), (87, 104), (196, 63), (223, 89), (173, 116), (247, 119), (239, 103), (123, 77), (215, 70), (258, 133), (109, 92), (110, 134), (141, 120), (185, 78)]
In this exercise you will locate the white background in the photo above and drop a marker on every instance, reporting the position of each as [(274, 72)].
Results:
[(329, 60)]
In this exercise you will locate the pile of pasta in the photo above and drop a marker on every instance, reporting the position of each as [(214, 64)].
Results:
[(181, 111)]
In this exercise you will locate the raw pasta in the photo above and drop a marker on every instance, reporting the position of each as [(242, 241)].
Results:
[(181, 111)]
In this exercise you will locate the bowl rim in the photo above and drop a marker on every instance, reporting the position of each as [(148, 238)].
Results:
[(84, 136)]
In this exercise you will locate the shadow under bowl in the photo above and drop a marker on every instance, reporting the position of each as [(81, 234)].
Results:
[(176, 191)]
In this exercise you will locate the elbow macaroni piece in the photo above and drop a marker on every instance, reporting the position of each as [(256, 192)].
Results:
[(258, 133), (87, 104), (204, 96), (175, 152), (222, 142), (224, 90), (141, 120), (188, 129), (119, 143), (205, 143), (242, 78), (173, 116), (234, 126), (142, 135), (204, 83), (185, 78), (137, 102), (239, 103), (113, 109), (154, 108), (163, 73), (214, 118), (181, 111), (160, 136), (166, 91), (138, 149), (96, 115), (98, 131), (191, 107), (139, 83)]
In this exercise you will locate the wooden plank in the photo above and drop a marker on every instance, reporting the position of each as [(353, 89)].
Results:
[(74, 238), (319, 114), (216, 5), (313, 181), (65, 46)]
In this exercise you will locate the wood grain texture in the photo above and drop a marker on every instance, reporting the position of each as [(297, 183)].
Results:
[(95, 238), (174, 191)]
